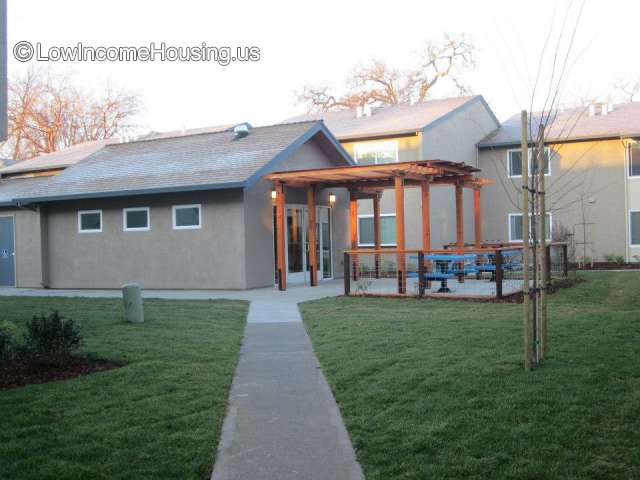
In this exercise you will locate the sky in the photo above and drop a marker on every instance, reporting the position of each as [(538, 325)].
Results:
[(320, 43)]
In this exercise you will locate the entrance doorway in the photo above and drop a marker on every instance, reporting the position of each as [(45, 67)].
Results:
[(7, 253), (297, 244)]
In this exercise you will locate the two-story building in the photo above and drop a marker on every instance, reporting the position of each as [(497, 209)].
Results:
[(445, 129), (592, 180)]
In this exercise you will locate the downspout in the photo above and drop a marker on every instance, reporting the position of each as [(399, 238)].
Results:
[(625, 169)]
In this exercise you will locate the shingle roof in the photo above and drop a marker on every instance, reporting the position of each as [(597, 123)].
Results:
[(387, 120), (12, 188), (573, 124), (190, 131), (194, 162), (54, 160)]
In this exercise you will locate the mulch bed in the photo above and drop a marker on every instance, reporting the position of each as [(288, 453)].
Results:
[(20, 372)]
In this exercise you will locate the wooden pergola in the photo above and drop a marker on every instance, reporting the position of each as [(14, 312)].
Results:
[(368, 182)]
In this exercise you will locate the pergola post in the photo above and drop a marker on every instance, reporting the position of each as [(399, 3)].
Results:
[(477, 217), (353, 231), (311, 235), (459, 216), (426, 219), (280, 236), (376, 233), (400, 240)]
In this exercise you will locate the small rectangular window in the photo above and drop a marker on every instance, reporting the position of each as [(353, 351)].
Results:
[(136, 219), (515, 227), (634, 160), (634, 228), (89, 221), (387, 231), (514, 162), (187, 217), (373, 153)]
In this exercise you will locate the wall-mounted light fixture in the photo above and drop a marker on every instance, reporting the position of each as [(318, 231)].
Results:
[(274, 194), (332, 198)]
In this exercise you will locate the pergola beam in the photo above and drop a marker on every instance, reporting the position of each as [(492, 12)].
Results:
[(426, 215), (311, 235), (459, 217), (280, 236), (400, 238), (477, 218)]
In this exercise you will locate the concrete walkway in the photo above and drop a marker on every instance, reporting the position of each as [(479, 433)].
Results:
[(283, 422)]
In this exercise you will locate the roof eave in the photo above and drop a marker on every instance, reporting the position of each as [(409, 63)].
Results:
[(129, 193), (581, 138)]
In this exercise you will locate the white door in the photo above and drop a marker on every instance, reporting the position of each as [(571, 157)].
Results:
[(297, 244)]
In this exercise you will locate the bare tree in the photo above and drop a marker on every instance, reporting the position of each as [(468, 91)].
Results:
[(377, 83), (628, 88), (47, 113)]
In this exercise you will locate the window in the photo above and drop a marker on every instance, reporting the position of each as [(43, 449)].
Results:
[(372, 153), (387, 230), (514, 162), (89, 221), (187, 217), (634, 228), (136, 219), (515, 227), (634, 160)]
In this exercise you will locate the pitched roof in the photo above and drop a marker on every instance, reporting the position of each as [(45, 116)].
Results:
[(573, 124), (12, 188), (55, 160), (390, 120), (185, 163), (153, 135)]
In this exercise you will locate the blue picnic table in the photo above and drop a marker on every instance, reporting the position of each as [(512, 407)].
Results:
[(511, 262), (447, 266)]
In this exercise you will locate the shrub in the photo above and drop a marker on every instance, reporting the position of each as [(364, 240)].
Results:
[(51, 338), (8, 334), (619, 259)]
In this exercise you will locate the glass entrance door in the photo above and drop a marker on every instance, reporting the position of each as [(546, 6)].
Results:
[(298, 245)]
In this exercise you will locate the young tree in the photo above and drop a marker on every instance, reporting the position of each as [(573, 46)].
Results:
[(377, 83), (48, 112)]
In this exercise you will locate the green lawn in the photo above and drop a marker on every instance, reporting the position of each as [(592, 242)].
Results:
[(436, 389), (157, 417)]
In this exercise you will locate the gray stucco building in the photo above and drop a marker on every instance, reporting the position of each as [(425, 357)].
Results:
[(186, 211)]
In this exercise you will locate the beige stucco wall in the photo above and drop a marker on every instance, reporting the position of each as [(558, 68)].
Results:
[(592, 170), (259, 215), (209, 257), (453, 139)]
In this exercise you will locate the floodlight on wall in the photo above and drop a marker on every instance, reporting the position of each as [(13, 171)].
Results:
[(332, 198), (274, 194)]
